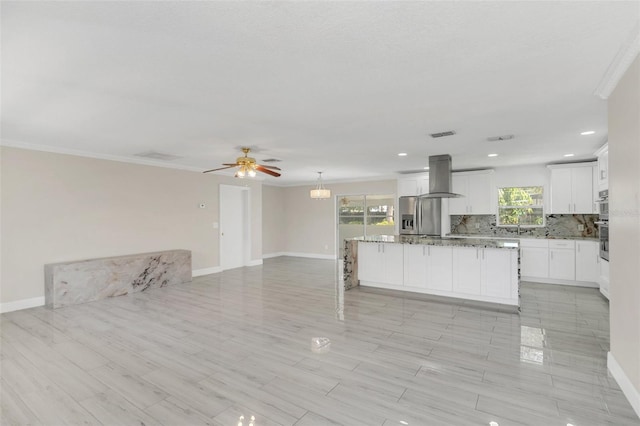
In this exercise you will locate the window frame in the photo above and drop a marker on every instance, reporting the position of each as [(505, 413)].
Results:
[(540, 206)]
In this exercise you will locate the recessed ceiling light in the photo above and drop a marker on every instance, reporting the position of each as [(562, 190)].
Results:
[(492, 155), (588, 132), (569, 155), (426, 168), (402, 154)]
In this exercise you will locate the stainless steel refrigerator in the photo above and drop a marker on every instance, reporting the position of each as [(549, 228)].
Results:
[(420, 216)]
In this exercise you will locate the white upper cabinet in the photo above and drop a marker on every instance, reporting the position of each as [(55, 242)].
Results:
[(603, 167), (572, 188), (478, 191), (413, 185)]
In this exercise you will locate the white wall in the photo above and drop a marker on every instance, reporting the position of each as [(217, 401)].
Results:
[(58, 208), (624, 231), (273, 220), (308, 226)]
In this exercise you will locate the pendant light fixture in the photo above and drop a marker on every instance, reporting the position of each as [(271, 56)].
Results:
[(320, 192)]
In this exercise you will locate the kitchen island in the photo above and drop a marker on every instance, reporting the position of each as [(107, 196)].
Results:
[(484, 270)]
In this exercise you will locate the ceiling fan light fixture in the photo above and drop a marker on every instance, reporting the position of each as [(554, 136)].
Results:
[(320, 192)]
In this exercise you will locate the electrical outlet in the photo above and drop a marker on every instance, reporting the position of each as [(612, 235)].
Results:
[(581, 227), (477, 226)]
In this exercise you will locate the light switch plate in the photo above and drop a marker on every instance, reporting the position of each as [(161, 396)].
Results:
[(581, 227)]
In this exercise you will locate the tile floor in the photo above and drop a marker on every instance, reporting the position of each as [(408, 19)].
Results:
[(238, 344)]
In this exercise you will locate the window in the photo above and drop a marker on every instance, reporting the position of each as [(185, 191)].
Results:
[(520, 205)]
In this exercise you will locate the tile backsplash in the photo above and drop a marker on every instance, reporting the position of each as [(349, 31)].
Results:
[(557, 225)]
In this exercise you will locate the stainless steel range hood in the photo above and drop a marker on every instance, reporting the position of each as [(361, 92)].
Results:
[(440, 178)]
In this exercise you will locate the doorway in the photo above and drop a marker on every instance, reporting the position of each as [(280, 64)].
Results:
[(364, 215), (235, 238)]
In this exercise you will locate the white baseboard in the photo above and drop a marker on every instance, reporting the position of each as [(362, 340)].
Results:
[(256, 262), (205, 271), (559, 282), (307, 255), (311, 255), (271, 255), (632, 394), (21, 304)]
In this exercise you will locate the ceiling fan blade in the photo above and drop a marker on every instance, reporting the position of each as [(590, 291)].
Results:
[(270, 167), (267, 171), (230, 164), (221, 168)]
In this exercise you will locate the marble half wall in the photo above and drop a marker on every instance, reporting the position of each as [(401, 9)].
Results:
[(70, 283), (556, 225), (350, 264)]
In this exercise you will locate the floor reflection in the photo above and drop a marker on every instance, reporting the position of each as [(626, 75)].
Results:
[(532, 344)]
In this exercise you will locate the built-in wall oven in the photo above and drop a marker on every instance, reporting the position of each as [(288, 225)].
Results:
[(604, 240), (603, 204), (603, 224)]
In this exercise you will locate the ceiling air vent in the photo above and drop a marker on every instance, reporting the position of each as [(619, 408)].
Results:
[(500, 138), (155, 155), (443, 134), (271, 160)]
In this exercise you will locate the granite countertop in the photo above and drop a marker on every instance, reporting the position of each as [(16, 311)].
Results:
[(520, 237), (446, 241)]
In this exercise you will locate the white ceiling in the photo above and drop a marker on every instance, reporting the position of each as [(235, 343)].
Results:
[(340, 87)]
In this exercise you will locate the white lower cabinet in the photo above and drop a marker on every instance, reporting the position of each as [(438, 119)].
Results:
[(381, 262), (428, 267), (470, 273), (498, 273), (485, 272), (569, 262), (562, 260), (534, 258), (440, 268), (603, 279), (415, 266), (467, 268), (587, 261)]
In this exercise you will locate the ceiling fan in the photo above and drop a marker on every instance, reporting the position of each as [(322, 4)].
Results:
[(247, 166)]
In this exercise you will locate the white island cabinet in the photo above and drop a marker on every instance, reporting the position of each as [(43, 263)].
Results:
[(381, 262), (486, 274), (428, 267), (443, 268)]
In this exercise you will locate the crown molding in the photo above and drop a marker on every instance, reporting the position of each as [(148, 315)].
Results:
[(80, 153), (620, 64)]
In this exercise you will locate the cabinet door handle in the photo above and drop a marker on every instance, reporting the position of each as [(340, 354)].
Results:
[(477, 256), (551, 255), (569, 207), (574, 207), (578, 248), (482, 254), (429, 250), (470, 209)]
